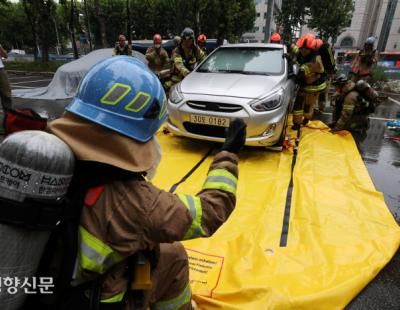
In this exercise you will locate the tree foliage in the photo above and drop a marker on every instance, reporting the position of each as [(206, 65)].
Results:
[(292, 16), (37, 20), (330, 18)]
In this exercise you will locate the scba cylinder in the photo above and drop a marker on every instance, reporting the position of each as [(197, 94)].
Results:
[(35, 171)]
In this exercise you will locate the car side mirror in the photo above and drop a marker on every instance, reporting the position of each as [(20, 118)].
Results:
[(287, 57)]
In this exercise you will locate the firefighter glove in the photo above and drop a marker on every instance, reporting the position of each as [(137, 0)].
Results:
[(235, 136)]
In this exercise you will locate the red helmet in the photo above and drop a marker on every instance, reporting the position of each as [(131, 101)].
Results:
[(275, 38), (202, 38), (307, 41), (157, 38), (319, 43)]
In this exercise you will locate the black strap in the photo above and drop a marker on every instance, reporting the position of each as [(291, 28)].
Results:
[(40, 215), (173, 188), (288, 204)]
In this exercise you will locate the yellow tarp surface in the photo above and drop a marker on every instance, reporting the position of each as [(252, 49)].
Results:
[(341, 233)]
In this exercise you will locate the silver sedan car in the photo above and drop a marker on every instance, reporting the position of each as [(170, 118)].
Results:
[(249, 81)]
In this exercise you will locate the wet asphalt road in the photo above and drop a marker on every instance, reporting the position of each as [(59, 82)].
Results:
[(23, 81), (381, 157)]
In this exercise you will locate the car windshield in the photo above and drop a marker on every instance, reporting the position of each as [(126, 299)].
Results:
[(261, 61)]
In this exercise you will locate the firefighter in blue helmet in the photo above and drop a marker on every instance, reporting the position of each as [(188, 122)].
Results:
[(365, 62), (126, 221)]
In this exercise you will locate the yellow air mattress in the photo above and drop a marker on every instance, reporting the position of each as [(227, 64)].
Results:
[(340, 233)]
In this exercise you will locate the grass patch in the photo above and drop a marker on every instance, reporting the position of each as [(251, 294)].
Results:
[(33, 66)]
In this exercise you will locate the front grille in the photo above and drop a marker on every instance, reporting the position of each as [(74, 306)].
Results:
[(214, 106), (205, 130)]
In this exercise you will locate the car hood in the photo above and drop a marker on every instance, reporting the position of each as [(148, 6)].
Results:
[(229, 84)]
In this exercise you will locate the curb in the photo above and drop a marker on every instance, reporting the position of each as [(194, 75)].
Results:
[(21, 72)]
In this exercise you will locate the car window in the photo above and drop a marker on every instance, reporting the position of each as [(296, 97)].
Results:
[(265, 61)]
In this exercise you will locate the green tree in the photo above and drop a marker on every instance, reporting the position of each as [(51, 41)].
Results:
[(101, 20), (228, 19), (69, 14), (40, 15), (12, 16), (330, 18), (292, 16)]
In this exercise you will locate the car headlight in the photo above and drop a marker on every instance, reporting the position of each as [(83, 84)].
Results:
[(268, 103), (175, 96)]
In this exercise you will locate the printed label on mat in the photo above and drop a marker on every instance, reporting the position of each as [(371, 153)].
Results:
[(204, 272)]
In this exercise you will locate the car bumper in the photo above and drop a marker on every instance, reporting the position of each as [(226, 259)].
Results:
[(263, 129)]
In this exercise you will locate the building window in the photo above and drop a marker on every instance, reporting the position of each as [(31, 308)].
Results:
[(258, 14), (347, 42), (255, 29), (265, 15)]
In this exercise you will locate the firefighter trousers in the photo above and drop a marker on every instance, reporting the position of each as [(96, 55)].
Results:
[(5, 90), (304, 106), (170, 286)]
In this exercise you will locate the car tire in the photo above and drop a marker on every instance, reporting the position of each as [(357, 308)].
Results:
[(283, 134)]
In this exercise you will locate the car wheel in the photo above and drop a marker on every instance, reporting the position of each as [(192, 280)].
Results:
[(279, 144)]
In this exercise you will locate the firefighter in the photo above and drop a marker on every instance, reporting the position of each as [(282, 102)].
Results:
[(201, 42), (157, 56), (110, 127), (275, 38), (353, 103), (365, 61), (184, 58), (311, 80), (5, 89), (121, 47)]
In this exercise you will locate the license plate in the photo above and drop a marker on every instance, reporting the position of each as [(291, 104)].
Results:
[(209, 120)]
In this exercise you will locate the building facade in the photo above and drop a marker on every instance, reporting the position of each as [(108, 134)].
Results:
[(378, 18), (258, 32)]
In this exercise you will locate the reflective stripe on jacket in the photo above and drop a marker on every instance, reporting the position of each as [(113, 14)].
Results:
[(157, 60), (184, 61), (175, 303), (364, 63), (351, 115), (134, 215), (315, 79)]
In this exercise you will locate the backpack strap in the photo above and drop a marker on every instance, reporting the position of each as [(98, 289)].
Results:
[(32, 214)]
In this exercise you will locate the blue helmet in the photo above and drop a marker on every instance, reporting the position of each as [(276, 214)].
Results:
[(370, 41), (122, 94)]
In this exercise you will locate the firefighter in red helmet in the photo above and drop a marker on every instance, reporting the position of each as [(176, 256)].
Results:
[(201, 42), (311, 79), (276, 38), (157, 56)]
